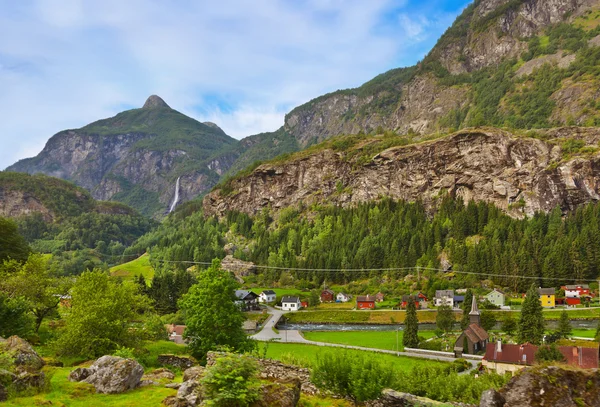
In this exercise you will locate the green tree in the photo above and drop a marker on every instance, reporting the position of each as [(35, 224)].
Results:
[(488, 320), (509, 324), (351, 375), (314, 298), (531, 321), (445, 318), (564, 325), (231, 382), (549, 353), (100, 316), (212, 318), (12, 244), (15, 318), (464, 322), (411, 325)]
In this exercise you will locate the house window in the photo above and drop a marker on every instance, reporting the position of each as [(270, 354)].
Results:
[(293, 305)]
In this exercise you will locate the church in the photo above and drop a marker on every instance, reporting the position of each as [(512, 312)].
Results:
[(473, 339)]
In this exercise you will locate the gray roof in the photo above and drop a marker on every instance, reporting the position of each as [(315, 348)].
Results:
[(444, 293), (242, 294), (574, 287), (290, 298), (495, 290), (268, 292), (459, 298), (546, 291)]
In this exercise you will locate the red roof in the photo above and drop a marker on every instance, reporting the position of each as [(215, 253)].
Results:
[(475, 333), (365, 298), (585, 358), (178, 329)]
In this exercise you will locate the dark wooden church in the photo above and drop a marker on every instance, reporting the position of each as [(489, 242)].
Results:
[(474, 339)]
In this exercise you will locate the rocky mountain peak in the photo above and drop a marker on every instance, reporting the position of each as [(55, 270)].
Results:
[(154, 102)]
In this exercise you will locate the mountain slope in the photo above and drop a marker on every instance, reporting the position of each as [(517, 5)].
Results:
[(486, 62), (136, 156)]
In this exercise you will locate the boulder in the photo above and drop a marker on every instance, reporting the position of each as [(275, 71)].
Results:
[(491, 398), (112, 374), (181, 362), (279, 395), (175, 386), (174, 401), (190, 393), (193, 373), (160, 374), (7, 377), (79, 374), (29, 380), (23, 353)]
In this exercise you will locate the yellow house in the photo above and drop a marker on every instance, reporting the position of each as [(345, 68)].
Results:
[(547, 297)]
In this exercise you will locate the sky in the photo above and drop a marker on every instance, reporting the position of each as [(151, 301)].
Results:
[(242, 64)]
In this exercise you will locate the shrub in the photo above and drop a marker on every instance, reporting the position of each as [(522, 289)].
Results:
[(231, 381)]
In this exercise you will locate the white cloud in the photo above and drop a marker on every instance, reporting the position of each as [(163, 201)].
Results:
[(241, 64)]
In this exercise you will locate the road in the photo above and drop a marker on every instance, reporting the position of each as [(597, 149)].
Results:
[(267, 333)]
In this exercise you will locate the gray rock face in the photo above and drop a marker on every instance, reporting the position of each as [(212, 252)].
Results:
[(279, 395), (189, 392), (491, 398), (112, 374), (193, 373), (160, 374), (181, 362), (23, 354), (519, 175), (79, 374)]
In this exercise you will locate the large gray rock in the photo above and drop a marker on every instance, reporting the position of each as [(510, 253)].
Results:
[(491, 398), (159, 374), (181, 362), (7, 377), (79, 374), (193, 373), (30, 380), (189, 392), (279, 395), (112, 374), (23, 354)]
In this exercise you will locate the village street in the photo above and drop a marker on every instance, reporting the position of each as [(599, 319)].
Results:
[(267, 333)]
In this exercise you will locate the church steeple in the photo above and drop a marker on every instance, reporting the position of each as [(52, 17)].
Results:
[(474, 315)]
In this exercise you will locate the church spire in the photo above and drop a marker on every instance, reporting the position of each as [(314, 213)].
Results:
[(474, 315)]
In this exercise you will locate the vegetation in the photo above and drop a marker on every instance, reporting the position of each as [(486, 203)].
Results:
[(12, 244), (372, 339), (549, 353), (231, 381), (445, 318), (411, 325), (564, 325), (531, 322), (212, 317)]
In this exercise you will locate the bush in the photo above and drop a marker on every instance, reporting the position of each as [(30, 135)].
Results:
[(124, 352), (231, 381)]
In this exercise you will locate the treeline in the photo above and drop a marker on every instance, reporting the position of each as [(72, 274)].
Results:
[(475, 238)]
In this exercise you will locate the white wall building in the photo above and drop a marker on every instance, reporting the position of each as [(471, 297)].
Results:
[(289, 303)]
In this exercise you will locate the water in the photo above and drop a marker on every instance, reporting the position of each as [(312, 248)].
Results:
[(422, 327), (176, 198)]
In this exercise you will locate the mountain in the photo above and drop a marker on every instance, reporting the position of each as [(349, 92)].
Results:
[(483, 71), (136, 157)]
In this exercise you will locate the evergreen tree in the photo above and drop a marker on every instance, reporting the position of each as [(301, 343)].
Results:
[(509, 325), (531, 322), (564, 325), (445, 318), (12, 244), (464, 323), (411, 325)]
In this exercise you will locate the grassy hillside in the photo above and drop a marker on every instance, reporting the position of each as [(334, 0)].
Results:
[(129, 270)]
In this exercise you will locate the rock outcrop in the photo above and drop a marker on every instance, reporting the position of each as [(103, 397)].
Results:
[(519, 175), (181, 362), (238, 267), (24, 372), (110, 374)]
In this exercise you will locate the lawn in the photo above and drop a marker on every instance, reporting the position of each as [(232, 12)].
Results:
[(370, 339), (584, 333), (306, 355), (134, 268), (360, 317)]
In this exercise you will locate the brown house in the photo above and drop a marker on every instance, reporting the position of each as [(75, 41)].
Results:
[(473, 339), (365, 302), (379, 297), (327, 296)]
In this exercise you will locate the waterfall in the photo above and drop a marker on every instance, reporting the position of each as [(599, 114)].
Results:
[(176, 198)]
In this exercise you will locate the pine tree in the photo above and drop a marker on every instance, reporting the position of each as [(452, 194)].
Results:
[(464, 323), (531, 322), (564, 325), (411, 325)]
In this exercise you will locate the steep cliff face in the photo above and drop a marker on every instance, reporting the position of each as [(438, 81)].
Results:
[(519, 174), (441, 92), (136, 157)]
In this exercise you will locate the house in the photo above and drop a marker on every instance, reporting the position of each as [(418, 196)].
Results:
[(406, 298), (496, 297), (444, 297), (267, 296), (458, 301), (365, 302), (474, 339), (547, 297), (572, 301), (249, 327), (504, 358), (247, 300), (379, 297), (304, 304), (176, 333), (327, 296), (576, 291), (290, 303), (341, 297)]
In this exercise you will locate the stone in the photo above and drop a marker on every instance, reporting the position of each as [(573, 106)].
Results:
[(79, 374), (491, 398), (23, 353), (113, 374), (6, 377), (175, 386), (29, 380), (160, 374), (145, 383), (193, 373), (174, 401), (181, 362), (190, 392), (279, 394)]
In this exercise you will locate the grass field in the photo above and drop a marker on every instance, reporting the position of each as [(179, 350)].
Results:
[(280, 292), (584, 333), (370, 339), (134, 268), (359, 317), (306, 356)]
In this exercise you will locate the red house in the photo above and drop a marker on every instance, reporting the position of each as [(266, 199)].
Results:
[(379, 297), (405, 299), (365, 302), (327, 296), (573, 301), (576, 290)]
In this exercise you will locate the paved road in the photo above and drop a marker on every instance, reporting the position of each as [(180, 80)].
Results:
[(294, 336)]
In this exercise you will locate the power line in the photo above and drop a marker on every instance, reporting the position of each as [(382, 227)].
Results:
[(390, 269)]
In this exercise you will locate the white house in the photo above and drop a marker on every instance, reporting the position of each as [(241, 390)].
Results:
[(267, 296), (444, 297), (496, 297), (341, 297), (289, 303)]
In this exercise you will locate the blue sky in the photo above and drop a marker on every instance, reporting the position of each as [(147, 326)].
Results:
[(241, 64)]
